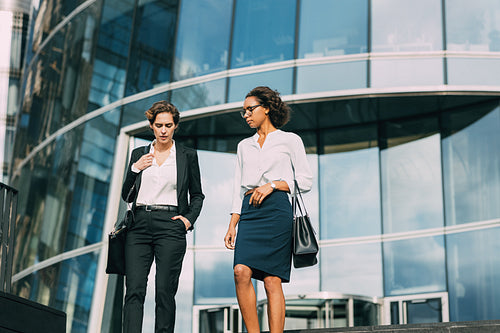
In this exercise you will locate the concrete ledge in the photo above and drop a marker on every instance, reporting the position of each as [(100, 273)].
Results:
[(481, 326)]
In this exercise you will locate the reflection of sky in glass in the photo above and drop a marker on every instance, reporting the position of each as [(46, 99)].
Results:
[(352, 269), (471, 162), (217, 172), (474, 272), (472, 25), (350, 194), (329, 28), (202, 46), (411, 186), (414, 266), (406, 25)]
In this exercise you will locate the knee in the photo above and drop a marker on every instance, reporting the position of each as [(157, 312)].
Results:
[(272, 284), (242, 273)]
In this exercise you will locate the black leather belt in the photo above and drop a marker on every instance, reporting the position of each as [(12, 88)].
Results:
[(149, 208)]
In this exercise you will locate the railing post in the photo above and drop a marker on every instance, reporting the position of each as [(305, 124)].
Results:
[(8, 208)]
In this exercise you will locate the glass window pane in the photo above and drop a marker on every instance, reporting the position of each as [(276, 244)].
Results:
[(329, 28), (350, 194), (352, 269), (406, 72), (473, 25), (473, 273), (482, 72), (414, 266), (199, 95), (108, 79), (202, 43), (261, 35), (339, 76), (471, 161), (217, 170), (280, 80), (214, 283), (411, 177), (151, 54), (67, 286), (406, 25)]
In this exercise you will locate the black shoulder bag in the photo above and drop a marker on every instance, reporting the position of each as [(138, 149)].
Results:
[(305, 244), (116, 241), (117, 237)]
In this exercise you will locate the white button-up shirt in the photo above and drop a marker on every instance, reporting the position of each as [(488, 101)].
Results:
[(159, 182), (281, 157)]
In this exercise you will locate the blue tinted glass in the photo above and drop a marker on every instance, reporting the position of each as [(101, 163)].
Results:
[(406, 25), (411, 183), (134, 112), (464, 71), (473, 273), (67, 286), (350, 194), (108, 80), (329, 28), (280, 80), (338, 76), (353, 269), (472, 25), (203, 37), (414, 266), (264, 32), (214, 282), (200, 95), (152, 45), (406, 72), (217, 170), (471, 160)]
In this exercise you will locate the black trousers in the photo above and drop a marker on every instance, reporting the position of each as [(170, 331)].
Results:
[(154, 235)]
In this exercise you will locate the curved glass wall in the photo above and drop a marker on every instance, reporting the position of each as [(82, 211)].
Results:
[(395, 174)]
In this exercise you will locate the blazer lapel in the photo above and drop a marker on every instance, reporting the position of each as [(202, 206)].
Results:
[(181, 161)]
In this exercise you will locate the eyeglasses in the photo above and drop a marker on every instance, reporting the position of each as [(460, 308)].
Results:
[(249, 110)]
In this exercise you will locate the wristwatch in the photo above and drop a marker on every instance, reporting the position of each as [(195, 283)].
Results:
[(273, 185)]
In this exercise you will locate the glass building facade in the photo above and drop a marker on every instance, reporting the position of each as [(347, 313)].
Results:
[(14, 19), (396, 101)]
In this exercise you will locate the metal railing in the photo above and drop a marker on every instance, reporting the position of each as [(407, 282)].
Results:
[(8, 207)]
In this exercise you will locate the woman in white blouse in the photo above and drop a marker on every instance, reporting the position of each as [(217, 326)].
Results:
[(267, 164), (163, 183)]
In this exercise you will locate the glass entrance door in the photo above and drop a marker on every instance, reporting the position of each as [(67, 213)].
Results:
[(416, 309)]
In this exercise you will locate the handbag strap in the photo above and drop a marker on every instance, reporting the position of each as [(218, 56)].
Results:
[(296, 203)]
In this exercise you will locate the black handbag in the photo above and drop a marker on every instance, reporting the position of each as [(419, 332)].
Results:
[(116, 242), (305, 244)]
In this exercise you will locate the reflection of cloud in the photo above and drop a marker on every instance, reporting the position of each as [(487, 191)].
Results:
[(411, 181), (415, 265), (217, 180), (352, 269)]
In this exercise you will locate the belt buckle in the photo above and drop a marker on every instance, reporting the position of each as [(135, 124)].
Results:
[(147, 208)]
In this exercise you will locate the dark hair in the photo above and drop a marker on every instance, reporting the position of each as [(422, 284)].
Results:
[(279, 111), (159, 107)]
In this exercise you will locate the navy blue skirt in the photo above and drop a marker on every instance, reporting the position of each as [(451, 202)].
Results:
[(264, 238)]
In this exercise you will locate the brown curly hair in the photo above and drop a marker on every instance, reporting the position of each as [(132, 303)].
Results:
[(279, 111), (162, 106)]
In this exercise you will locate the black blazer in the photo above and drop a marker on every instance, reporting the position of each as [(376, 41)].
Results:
[(188, 181)]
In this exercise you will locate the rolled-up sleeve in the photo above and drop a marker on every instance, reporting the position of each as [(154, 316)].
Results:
[(301, 168), (237, 189)]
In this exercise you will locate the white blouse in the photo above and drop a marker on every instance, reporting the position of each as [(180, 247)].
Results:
[(159, 182), (281, 157)]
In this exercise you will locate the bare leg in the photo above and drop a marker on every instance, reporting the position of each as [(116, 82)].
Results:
[(246, 297), (276, 304)]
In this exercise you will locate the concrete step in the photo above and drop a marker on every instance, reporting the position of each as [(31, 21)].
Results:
[(482, 326)]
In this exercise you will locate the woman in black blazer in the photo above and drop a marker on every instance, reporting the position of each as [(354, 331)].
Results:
[(164, 186)]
